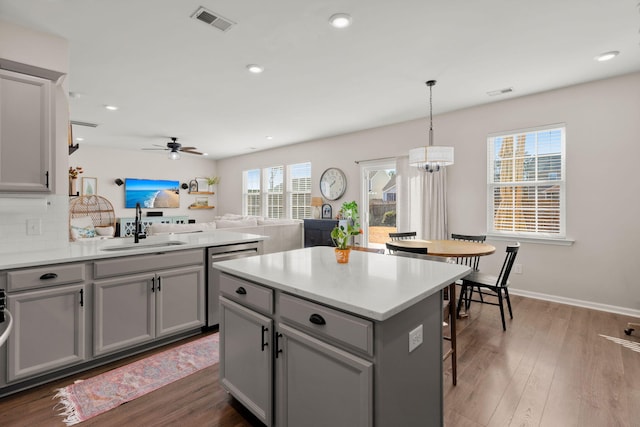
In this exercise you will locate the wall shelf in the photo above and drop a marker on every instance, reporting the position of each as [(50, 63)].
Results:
[(201, 192), (201, 207)]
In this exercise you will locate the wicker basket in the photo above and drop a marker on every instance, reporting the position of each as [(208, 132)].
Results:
[(99, 209)]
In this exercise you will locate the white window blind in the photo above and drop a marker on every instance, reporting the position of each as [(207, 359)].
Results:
[(251, 200), (526, 183), (274, 190), (299, 190)]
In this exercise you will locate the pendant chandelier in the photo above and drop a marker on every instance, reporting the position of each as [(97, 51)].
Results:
[(432, 157)]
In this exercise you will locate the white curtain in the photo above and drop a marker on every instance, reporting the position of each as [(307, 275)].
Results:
[(422, 201)]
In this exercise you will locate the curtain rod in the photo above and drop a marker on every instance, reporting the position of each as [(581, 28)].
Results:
[(357, 162)]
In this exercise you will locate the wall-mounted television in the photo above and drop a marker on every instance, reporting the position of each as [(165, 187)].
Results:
[(151, 193)]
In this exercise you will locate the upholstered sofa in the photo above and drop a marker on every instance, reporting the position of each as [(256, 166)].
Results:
[(283, 234)]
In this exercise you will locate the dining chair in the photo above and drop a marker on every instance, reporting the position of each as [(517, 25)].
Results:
[(402, 235), (473, 262), (448, 311), (488, 285)]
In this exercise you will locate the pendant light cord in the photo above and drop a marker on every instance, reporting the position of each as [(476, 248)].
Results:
[(431, 83)]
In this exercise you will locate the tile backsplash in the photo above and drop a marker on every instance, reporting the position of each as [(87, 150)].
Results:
[(30, 223)]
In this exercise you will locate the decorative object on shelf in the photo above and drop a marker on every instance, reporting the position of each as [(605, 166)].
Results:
[(211, 181), (184, 185), (432, 157), (193, 186), (346, 229), (327, 211), (203, 184), (89, 186), (316, 203), (333, 184), (73, 179), (202, 201)]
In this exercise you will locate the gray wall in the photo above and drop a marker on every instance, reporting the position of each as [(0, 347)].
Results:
[(603, 134)]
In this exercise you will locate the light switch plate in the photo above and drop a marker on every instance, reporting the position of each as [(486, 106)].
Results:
[(34, 227)]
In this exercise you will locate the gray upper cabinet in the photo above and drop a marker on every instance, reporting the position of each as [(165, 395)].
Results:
[(49, 330), (26, 132)]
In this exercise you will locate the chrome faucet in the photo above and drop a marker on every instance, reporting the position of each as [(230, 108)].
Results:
[(137, 233)]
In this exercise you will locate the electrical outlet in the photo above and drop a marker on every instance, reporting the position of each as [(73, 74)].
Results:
[(34, 227), (415, 338), (517, 268)]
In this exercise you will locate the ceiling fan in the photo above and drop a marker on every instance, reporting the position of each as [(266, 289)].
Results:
[(175, 148)]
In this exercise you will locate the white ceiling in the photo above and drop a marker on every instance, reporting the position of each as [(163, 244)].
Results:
[(171, 75)]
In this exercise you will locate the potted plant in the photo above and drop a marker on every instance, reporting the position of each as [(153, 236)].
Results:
[(211, 181), (345, 230)]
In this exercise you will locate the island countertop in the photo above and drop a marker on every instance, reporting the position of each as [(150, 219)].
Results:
[(92, 249), (374, 286)]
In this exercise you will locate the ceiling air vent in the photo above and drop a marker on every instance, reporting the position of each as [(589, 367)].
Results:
[(213, 19)]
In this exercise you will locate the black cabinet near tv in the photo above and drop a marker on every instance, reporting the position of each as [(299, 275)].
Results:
[(317, 232)]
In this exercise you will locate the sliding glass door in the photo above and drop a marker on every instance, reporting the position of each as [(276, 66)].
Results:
[(378, 205)]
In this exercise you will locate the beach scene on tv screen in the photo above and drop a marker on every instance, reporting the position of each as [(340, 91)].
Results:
[(151, 193)]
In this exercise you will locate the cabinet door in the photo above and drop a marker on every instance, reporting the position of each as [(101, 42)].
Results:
[(179, 300), (245, 358), (49, 330), (319, 384), (25, 132), (124, 312)]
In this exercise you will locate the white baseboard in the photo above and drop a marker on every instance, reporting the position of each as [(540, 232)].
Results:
[(579, 303)]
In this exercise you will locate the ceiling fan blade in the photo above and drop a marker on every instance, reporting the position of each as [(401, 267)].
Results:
[(156, 149), (189, 148), (191, 152)]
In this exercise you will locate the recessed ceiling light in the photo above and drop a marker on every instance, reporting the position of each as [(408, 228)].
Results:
[(79, 139), (205, 154), (607, 56), (75, 95), (340, 20), (255, 69), (111, 107), (269, 138)]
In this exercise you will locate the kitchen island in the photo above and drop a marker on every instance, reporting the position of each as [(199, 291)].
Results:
[(308, 341)]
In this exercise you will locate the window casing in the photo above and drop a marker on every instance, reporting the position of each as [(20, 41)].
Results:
[(251, 199), (264, 191), (299, 190), (526, 183)]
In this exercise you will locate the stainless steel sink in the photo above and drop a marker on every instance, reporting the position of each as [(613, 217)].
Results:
[(133, 246)]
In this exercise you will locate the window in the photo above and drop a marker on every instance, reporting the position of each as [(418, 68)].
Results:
[(299, 190), (251, 199), (526, 183), (274, 185), (264, 191)]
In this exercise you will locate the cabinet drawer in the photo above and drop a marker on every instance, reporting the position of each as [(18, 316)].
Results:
[(45, 276), (142, 263), (246, 293), (344, 328)]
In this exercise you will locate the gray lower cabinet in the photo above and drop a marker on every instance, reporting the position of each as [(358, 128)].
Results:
[(317, 381), (138, 308), (246, 367), (49, 330), (319, 384)]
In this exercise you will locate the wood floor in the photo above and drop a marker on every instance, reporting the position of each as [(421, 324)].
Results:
[(551, 368)]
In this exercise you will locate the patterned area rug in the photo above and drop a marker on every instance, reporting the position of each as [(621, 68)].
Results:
[(87, 398)]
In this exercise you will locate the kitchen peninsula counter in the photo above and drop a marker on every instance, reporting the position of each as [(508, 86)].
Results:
[(93, 249)]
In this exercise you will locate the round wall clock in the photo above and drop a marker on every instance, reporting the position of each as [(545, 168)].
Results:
[(333, 184)]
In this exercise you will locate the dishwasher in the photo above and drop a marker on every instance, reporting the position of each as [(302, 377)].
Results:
[(223, 253)]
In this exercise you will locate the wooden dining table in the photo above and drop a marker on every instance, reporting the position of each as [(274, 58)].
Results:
[(443, 248)]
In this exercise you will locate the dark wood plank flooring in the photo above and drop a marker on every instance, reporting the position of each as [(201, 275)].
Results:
[(550, 368)]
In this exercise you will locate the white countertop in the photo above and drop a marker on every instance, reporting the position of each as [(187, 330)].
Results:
[(374, 286), (95, 248)]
